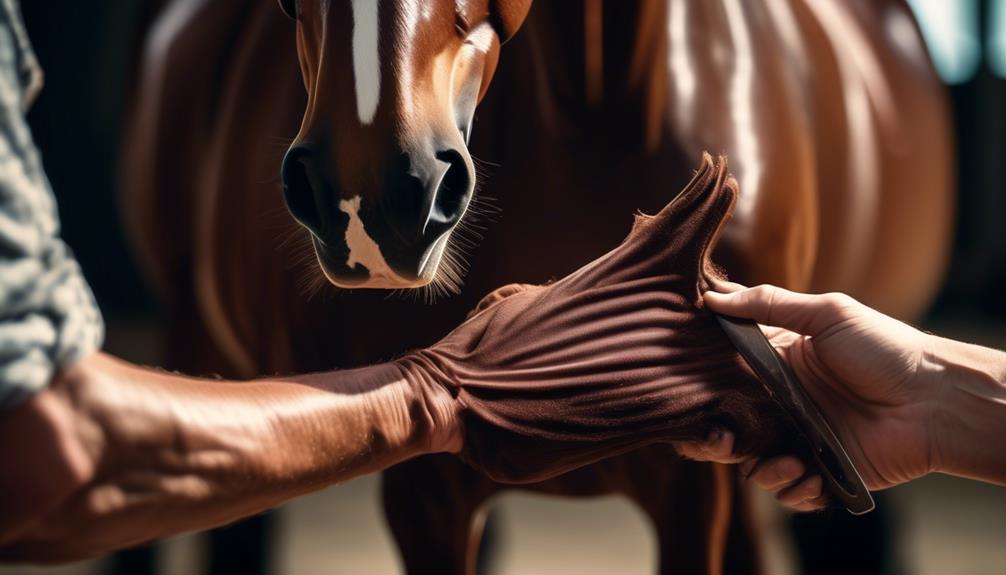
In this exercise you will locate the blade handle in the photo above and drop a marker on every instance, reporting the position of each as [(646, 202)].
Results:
[(841, 478)]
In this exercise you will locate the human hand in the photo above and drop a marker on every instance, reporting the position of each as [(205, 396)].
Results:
[(615, 356), (861, 367)]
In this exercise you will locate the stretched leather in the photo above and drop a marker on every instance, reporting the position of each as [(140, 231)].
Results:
[(614, 356)]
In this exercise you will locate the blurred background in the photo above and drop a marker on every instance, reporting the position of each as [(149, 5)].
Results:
[(89, 50)]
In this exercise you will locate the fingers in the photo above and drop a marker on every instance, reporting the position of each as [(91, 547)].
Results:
[(726, 286), (807, 314), (718, 448), (811, 505), (803, 493), (775, 474), (785, 477)]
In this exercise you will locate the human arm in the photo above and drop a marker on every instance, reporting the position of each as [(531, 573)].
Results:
[(97, 454), (904, 403), (613, 357), (124, 454)]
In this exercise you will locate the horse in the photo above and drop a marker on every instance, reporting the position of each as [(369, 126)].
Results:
[(835, 123)]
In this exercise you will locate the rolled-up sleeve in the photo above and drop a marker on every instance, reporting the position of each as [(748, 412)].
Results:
[(48, 316)]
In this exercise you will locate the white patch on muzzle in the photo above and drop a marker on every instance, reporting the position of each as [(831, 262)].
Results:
[(364, 250), (366, 58)]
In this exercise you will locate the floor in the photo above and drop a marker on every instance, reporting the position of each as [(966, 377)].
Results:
[(948, 526)]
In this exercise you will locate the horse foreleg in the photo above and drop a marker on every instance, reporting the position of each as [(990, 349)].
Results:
[(743, 553), (432, 505), (691, 511)]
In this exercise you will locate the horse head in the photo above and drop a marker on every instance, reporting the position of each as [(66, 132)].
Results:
[(380, 173)]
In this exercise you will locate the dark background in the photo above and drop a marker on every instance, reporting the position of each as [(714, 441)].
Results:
[(89, 50)]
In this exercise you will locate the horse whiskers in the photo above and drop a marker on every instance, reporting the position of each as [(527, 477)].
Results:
[(292, 236), (454, 262), (448, 279), (483, 170), (304, 262), (481, 164), (313, 282)]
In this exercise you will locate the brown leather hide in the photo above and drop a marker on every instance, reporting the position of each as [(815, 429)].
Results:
[(534, 371)]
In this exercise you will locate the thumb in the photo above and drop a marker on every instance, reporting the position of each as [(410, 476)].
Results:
[(806, 314)]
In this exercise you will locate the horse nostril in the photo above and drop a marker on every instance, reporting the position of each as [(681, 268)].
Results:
[(451, 194), (302, 186)]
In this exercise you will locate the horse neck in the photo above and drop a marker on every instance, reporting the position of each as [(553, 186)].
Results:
[(609, 73)]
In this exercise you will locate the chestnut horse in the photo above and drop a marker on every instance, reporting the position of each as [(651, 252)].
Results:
[(833, 118)]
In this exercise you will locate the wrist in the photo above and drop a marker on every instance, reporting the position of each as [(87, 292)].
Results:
[(968, 385), (438, 409)]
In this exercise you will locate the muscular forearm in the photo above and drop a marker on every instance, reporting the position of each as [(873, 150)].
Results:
[(172, 454), (969, 409)]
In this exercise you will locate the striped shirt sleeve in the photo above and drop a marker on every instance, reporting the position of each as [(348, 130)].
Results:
[(48, 316)]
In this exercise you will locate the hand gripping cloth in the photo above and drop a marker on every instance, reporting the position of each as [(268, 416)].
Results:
[(615, 356)]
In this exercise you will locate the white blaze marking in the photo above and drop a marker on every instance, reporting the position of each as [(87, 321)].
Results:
[(412, 12), (363, 249), (366, 60)]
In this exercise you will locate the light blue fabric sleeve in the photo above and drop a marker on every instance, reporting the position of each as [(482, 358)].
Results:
[(48, 316)]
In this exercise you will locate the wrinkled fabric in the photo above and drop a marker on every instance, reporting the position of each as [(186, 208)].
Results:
[(48, 317), (617, 355)]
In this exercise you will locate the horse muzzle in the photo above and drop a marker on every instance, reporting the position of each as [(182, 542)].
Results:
[(394, 239)]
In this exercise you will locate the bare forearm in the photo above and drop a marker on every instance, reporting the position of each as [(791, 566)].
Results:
[(176, 454), (970, 413)]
